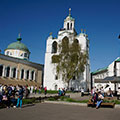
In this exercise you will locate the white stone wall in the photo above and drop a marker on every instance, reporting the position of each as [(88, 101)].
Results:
[(50, 69)]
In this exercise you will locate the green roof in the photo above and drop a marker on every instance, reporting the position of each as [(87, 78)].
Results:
[(100, 70), (118, 60), (69, 18), (18, 45)]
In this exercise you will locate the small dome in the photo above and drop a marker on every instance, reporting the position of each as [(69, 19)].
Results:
[(18, 45), (69, 18)]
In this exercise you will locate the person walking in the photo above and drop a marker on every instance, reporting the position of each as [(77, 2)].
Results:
[(20, 96), (45, 90)]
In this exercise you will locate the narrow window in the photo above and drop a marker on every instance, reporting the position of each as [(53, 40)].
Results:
[(22, 74), (25, 54), (14, 72), (54, 47), (67, 26), (32, 75), (7, 71), (71, 26), (1, 70), (56, 77), (27, 74)]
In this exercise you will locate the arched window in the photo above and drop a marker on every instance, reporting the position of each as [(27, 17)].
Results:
[(32, 75), (7, 71), (56, 87), (14, 72), (65, 44), (71, 26), (1, 70), (27, 74), (67, 26), (22, 74), (76, 41), (7, 53), (54, 47), (25, 54)]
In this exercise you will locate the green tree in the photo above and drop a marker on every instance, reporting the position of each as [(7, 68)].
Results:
[(72, 60)]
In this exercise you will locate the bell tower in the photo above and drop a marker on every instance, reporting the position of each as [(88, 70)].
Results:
[(69, 22)]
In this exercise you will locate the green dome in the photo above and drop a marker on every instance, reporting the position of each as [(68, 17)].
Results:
[(18, 45)]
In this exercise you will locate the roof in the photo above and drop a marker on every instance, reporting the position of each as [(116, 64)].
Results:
[(17, 60), (18, 45), (100, 70), (111, 79), (118, 60)]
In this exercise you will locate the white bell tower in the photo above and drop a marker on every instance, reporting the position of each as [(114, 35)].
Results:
[(69, 22)]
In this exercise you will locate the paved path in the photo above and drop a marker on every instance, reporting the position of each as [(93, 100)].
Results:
[(76, 96), (46, 111)]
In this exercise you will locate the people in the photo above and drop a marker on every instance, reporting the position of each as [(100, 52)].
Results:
[(59, 92), (35, 89), (45, 90), (39, 89), (94, 99), (99, 100), (110, 93), (82, 92), (20, 96)]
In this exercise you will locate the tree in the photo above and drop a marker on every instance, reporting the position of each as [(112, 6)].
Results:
[(72, 60)]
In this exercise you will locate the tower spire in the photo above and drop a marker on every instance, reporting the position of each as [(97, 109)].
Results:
[(69, 11)]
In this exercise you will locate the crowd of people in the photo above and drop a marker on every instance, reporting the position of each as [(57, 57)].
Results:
[(12, 95), (99, 94)]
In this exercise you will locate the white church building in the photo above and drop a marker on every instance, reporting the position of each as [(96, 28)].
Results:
[(51, 80), (108, 77)]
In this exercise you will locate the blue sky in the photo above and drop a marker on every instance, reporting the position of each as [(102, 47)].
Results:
[(35, 19)]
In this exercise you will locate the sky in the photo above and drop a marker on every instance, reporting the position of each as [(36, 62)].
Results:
[(35, 19)]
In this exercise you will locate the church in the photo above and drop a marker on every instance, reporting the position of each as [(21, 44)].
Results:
[(51, 80), (108, 77), (15, 67)]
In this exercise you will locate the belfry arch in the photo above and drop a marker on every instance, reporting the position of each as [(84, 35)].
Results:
[(54, 47)]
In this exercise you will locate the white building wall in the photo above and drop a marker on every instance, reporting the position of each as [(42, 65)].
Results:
[(50, 69)]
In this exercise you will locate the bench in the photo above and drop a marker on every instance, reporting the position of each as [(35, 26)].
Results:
[(104, 103)]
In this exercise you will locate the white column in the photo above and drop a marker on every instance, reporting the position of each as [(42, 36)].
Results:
[(16, 73), (24, 74), (11, 73), (20, 74), (34, 76), (3, 73), (30, 74)]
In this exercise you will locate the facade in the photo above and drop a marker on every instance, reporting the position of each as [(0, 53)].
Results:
[(51, 80), (108, 76), (16, 69)]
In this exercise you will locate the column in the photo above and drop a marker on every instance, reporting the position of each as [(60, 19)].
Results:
[(20, 74), (11, 73), (30, 72), (24, 74), (34, 76), (16, 74), (3, 73)]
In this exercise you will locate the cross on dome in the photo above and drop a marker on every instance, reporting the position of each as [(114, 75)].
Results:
[(69, 11)]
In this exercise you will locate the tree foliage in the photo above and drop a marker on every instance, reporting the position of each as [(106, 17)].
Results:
[(72, 60)]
